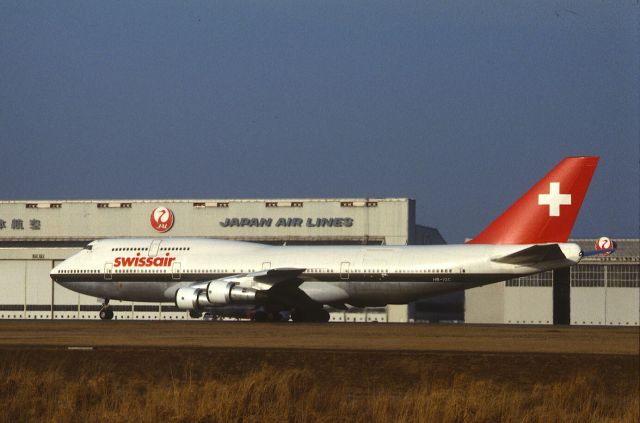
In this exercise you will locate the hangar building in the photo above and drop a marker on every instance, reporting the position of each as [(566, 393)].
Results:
[(598, 291), (36, 235)]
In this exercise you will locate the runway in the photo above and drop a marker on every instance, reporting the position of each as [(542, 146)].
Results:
[(337, 336)]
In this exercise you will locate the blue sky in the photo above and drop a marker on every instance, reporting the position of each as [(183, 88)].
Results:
[(460, 105)]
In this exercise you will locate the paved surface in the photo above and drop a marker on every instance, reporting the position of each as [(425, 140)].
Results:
[(18, 334)]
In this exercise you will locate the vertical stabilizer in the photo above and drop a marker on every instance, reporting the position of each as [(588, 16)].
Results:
[(547, 212)]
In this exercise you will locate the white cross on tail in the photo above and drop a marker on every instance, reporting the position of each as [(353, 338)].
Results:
[(554, 199)]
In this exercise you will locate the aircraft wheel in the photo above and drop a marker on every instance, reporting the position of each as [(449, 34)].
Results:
[(106, 314), (319, 316), (194, 314), (209, 317)]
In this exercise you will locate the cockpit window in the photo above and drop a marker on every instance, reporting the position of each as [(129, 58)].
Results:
[(88, 247)]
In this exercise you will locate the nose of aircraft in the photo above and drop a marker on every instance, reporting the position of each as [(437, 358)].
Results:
[(57, 270), (65, 265)]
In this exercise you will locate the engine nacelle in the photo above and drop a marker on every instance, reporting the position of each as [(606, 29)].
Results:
[(187, 298), (225, 292), (218, 293)]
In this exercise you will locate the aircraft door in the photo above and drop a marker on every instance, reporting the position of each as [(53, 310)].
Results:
[(176, 272), (108, 271), (154, 247), (344, 270)]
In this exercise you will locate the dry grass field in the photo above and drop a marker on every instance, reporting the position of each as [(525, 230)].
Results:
[(45, 381)]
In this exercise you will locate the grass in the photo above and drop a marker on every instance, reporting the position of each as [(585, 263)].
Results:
[(150, 385)]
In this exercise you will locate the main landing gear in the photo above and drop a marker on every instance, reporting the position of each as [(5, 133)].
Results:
[(267, 316), (318, 316), (106, 313), (304, 315)]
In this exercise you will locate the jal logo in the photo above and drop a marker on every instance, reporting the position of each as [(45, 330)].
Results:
[(161, 219), (605, 246)]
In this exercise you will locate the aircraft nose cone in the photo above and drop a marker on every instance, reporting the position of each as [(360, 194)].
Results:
[(55, 271)]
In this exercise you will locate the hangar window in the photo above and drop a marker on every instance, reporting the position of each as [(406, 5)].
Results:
[(296, 204), (623, 276), (103, 205), (199, 205), (587, 276), (125, 205), (222, 204), (346, 204), (371, 204), (31, 205), (271, 204), (544, 279), (55, 205)]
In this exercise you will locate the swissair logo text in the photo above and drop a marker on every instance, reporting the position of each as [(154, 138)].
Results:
[(138, 261)]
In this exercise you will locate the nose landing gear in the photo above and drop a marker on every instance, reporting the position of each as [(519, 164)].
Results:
[(106, 313)]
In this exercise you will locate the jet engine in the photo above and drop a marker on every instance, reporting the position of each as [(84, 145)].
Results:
[(225, 292), (218, 293), (191, 299)]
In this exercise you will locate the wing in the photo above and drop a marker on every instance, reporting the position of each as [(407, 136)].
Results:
[(533, 255), (274, 277), (284, 287), (263, 280), (280, 285)]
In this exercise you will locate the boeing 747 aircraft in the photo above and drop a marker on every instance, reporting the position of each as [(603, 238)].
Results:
[(204, 274)]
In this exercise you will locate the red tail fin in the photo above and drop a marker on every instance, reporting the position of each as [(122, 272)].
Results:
[(547, 212)]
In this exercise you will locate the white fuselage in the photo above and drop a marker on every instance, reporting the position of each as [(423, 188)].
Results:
[(145, 269)]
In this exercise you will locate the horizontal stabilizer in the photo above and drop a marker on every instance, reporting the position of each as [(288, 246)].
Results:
[(533, 255)]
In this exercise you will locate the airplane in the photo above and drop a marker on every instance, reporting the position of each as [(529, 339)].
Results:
[(300, 282)]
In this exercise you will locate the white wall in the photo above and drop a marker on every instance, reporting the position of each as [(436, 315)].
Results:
[(528, 305), (622, 306), (587, 306), (485, 304), (12, 287)]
